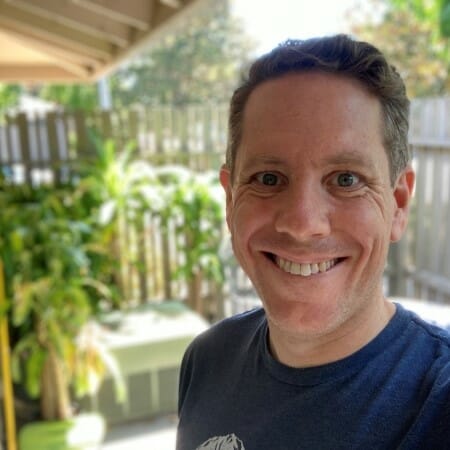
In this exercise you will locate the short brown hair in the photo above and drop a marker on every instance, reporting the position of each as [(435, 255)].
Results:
[(340, 55)]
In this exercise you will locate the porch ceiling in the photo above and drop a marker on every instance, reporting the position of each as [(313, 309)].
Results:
[(79, 40)]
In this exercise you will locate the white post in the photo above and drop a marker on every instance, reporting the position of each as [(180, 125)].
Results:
[(104, 94)]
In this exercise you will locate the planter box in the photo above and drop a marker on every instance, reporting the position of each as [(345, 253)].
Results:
[(84, 432), (149, 343)]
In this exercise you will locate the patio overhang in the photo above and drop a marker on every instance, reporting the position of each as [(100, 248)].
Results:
[(79, 40)]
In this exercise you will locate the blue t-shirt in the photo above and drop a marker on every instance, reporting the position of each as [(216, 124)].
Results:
[(394, 393)]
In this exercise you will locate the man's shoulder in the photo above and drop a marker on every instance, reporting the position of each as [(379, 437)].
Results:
[(430, 344), (430, 327), (431, 312)]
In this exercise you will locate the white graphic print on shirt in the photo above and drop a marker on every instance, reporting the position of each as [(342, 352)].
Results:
[(229, 442)]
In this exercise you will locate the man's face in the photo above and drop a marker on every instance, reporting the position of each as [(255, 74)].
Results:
[(310, 208)]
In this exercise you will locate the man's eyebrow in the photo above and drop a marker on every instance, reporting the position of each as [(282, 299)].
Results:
[(344, 158), (348, 157), (263, 160)]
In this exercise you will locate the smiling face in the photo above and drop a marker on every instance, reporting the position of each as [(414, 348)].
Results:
[(310, 206)]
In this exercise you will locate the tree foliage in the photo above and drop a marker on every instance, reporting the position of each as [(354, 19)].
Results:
[(9, 95), (409, 35), (433, 12), (199, 62), (71, 96)]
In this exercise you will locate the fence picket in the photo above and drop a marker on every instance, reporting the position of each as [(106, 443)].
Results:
[(52, 135), (81, 136), (24, 145)]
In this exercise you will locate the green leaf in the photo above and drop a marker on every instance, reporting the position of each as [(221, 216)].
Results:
[(25, 299), (16, 240), (21, 349), (445, 19), (107, 212), (33, 368)]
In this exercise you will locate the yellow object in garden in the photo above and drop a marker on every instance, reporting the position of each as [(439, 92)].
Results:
[(8, 397)]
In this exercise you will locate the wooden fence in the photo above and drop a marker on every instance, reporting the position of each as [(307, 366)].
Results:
[(420, 263), (42, 147), (35, 148)]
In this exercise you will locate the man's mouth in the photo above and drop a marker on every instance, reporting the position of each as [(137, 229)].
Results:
[(305, 269)]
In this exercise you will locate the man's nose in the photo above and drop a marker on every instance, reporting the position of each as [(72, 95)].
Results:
[(304, 212)]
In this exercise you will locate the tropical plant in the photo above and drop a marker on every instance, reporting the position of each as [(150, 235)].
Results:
[(195, 203), (121, 184), (50, 281), (188, 202), (55, 243)]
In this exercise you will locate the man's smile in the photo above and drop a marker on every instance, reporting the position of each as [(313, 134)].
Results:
[(304, 269)]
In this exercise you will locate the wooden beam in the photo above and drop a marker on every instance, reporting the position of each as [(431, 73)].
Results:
[(71, 15), (70, 61), (136, 13), (55, 53), (46, 29), (171, 3), (46, 73), (161, 14)]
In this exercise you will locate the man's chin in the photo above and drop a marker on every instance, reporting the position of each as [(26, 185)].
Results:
[(303, 320)]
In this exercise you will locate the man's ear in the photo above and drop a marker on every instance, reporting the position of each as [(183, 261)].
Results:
[(225, 181), (403, 191)]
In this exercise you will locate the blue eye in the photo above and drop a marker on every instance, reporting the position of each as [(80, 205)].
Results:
[(346, 179), (268, 178)]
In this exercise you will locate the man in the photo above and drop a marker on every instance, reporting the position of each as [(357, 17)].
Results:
[(318, 183)]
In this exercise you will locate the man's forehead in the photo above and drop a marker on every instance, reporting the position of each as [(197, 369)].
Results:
[(308, 95), (306, 78)]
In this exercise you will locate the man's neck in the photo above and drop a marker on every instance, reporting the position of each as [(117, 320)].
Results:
[(309, 351)]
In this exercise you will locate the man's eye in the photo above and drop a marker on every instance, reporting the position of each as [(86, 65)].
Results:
[(268, 178), (346, 179)]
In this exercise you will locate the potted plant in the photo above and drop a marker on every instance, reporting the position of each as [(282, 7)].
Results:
[(49, 258)]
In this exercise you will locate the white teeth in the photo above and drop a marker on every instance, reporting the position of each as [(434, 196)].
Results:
[(304, 270), (295, 269)]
